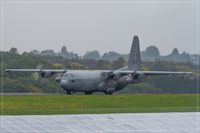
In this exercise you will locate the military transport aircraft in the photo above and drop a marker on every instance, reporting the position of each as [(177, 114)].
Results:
[(107, 81)]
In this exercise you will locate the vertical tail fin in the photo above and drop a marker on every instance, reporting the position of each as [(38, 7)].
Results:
[(134, 61)]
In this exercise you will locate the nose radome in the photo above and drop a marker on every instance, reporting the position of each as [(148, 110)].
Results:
[(63, 82)]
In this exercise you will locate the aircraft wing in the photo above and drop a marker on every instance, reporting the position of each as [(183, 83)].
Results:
[(36, 70), (157, 73), (154, 73)]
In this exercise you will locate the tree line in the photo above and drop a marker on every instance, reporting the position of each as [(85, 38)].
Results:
[(28, 82)]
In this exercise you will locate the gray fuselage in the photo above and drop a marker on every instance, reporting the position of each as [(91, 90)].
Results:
[(89, 81)]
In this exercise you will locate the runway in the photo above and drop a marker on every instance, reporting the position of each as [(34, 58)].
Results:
[(103, 123)]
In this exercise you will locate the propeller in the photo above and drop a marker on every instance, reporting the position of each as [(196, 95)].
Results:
[(36, 75), (58, 77)]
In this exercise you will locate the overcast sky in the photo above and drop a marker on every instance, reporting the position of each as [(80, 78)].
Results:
[(100, 25)]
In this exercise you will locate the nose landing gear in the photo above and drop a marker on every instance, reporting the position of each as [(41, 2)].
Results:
[(109, 91)]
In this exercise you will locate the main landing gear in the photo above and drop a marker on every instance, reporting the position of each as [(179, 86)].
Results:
[(69, 92), (88, 92), (109, 91)]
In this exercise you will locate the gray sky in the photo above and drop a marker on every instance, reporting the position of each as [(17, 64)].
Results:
[(100, 25)]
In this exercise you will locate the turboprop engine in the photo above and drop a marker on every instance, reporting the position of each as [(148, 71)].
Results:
[(59, 78), (125, 79), (46, 74), (131, 78), (138, 77)]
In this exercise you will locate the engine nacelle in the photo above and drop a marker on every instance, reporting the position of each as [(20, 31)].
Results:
[(125, 79), (138, 77), (117, 76), (131, 78), (46, 74)]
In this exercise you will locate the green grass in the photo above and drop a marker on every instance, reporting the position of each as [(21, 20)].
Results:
[(81, 104)]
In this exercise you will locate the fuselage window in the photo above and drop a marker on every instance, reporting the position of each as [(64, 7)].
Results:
[(72, 80)]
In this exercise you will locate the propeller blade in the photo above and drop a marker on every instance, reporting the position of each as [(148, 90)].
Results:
[(36, 76)]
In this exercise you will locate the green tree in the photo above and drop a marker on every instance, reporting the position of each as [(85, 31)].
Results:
[(152, 51), (92, 55), (14, 51), (120, 62)]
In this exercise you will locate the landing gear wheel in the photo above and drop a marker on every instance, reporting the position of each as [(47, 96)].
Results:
[(88, 93), (69, 92), (107, 92)]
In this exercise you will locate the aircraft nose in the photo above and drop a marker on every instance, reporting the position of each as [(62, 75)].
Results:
[(63, 82)]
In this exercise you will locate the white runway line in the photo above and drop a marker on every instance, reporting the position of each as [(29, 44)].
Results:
[(102, 123)]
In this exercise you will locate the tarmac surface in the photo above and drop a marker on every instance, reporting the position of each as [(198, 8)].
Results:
[(103, 123)]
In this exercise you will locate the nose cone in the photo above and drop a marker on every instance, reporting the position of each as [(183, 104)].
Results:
[(63, 83)]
